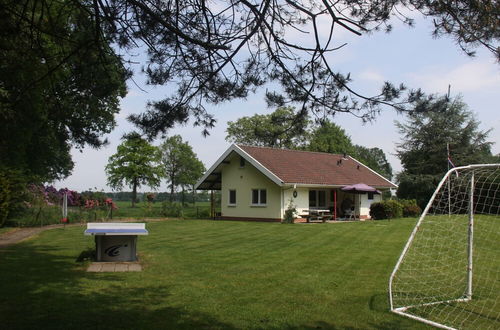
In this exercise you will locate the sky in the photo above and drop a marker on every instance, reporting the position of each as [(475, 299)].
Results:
[(406, 55)]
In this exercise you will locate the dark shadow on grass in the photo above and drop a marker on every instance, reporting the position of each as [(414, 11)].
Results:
[(87, 255), (42, 288)]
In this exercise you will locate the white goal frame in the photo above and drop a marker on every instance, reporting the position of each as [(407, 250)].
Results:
[(468, 295)]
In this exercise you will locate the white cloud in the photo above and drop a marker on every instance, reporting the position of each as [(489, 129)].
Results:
[(469, 77)]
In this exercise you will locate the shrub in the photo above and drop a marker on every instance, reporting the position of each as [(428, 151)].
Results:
[(290, 212), (410, 207), (377, 211), (412, 211), (204, 213), (393, 209), (172, 210), (386, 210)]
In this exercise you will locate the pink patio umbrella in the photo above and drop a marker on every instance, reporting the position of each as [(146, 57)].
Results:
[(359, 188)]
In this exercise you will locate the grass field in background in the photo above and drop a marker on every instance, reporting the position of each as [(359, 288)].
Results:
[(211, 274), (159, 209)]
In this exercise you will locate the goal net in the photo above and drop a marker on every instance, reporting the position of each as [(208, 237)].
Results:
[(448, 274)]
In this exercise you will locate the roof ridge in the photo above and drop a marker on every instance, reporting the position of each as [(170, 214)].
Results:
[(294, 150)]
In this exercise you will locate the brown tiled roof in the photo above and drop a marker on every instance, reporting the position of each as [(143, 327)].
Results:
[(305, 167)]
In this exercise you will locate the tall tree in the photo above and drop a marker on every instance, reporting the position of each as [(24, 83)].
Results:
[(331, 138), (182, 167), (219, 51), (284, 128), (375, 159), (425, 136), (423, 146), (135, 163), (59, 85)]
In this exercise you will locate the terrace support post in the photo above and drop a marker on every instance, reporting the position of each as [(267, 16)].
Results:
[(212, 209), (470, 239), (335, 205)]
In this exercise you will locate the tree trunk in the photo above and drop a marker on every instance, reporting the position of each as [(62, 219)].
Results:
[(134, 193), (194, 196), (172, 191), (183, 196)]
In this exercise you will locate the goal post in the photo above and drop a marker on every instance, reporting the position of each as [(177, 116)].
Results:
[(448, 274)]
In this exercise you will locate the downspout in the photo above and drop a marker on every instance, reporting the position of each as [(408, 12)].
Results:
[(282, 213)]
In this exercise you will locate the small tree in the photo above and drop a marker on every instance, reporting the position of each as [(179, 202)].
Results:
[(135, 163), (182, 167)]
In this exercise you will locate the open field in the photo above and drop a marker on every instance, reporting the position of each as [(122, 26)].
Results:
[(211, 274), (159, 209)]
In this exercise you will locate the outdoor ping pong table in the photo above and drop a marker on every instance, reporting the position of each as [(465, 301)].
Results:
[(116, 241)]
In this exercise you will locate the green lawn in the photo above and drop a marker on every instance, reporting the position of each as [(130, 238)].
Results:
[(211, 274)]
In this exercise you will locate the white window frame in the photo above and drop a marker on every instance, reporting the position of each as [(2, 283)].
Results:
[(229, 197), (259, 197)]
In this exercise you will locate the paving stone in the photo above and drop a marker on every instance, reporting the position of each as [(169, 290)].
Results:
[(108, 267), (134, 267), (94, 267), (121, 268)]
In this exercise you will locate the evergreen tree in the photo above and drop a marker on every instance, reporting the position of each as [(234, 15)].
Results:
[(423, 147)]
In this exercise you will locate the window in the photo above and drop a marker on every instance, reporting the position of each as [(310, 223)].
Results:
[(317, 198), (370, 196), (242, 161), (259, 197), (232, 197)]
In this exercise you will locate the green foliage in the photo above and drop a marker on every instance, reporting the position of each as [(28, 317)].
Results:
[(331, 138), (388, 209), (135, 163), (427, 132), (59, 86), (290, 213), (284, 128), (410, 207), (418, 187), (375, 159), (12, 193), (170, 209), (423, 147), (182, 166)]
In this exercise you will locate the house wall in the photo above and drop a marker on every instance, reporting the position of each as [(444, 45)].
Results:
[(301, 202), (365, 204), (243, 180)]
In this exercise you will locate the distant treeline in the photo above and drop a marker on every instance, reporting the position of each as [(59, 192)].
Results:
[(160, 197)]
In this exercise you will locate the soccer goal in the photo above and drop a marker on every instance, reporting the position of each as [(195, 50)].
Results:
[(448, 274)]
